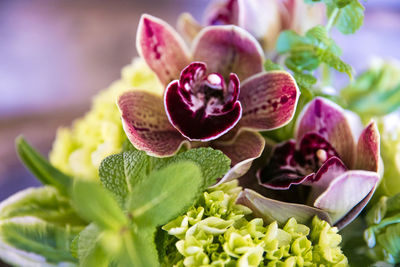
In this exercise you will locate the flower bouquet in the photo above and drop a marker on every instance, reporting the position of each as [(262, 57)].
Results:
[(223, 145)]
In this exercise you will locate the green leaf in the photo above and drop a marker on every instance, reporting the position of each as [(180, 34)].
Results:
[(25, 240), (45, 203), (165, 194), (270, 65), (119, 173), (213, 163), (96, 204), (41, 168), (90, 251), (139, 248), (350, 18)]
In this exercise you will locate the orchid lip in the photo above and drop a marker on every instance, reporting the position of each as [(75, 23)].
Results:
[(202, 106)]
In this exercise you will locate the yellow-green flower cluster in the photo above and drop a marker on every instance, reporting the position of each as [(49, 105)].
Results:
[(79, 150), (219, 232)]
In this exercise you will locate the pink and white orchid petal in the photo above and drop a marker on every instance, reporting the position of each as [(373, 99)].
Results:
[(326, 118), (269, 100), (345, 192), (188, 27), (146, 124), (223, 12), (162, 48), (245, 147), (228, 49), (273, 210), (368, 149)]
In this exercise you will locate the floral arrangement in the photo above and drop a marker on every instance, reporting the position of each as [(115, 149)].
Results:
[(223, 145)]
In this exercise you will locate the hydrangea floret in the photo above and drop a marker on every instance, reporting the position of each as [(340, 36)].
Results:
[(263, 19), (340, 173), (216, 95), (217, 232)]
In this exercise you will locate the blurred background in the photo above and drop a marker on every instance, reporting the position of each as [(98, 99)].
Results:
[(56, 54)]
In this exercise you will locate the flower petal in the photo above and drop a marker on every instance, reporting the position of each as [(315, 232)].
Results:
[(282, 169), (222, 13), (188, 26), (245, 147), (228, 49), (368, 149), (147, 126), (272, 210), (269, 100), (327, 119), (162, 48), (197, 125), (345, 192)]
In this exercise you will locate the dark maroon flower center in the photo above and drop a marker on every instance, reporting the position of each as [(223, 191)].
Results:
[(203, 106), (294, 165)]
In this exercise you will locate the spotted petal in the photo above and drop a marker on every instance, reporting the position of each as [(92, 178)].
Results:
[(222, 13), (197, 125), (162, 48), (147, 126), (273, 210), (269, 100), (228, 49), (345, 192), (368, 149), (245, 147), (328, 120)]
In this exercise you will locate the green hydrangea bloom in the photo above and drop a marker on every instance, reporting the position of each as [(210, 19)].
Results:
[(218, 232), (79, 150)]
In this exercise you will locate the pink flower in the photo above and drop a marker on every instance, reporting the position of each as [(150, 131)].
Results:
[(338, 173), (216, 95)]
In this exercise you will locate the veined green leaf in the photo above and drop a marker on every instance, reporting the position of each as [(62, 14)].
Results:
[(43, 202), (213, 163), (41, 168), (139, 248), (119, 173), (29, 241), (90, 251), (96, 204), (351, 17), (165, 193)]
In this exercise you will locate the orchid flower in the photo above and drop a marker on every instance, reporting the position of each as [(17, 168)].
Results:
[(339, 173), (264, 19), (205, 96)]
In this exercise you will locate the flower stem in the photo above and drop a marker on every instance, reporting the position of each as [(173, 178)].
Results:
[(332, 18)]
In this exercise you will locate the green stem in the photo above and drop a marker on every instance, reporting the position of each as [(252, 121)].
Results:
[(385, 222), (332, 19)]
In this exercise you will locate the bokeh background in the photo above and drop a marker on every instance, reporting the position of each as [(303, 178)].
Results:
[(56, 54)]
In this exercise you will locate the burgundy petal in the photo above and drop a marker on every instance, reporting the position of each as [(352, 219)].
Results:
[(196, 124), (188, 27), (245, 147), (328, 120), (282, 170), (272, 210), (162, 48), (228, 49), (368, 149), (345, 192), (147, 126), (269, 100)]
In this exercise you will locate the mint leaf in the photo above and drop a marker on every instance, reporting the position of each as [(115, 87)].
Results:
[(213, 163), (350, 18), (96, 204), (119, 173), (45, 242), (165, 193), (270, 65), (44, 202), (90, 251), (41, 168), (139, 248)]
